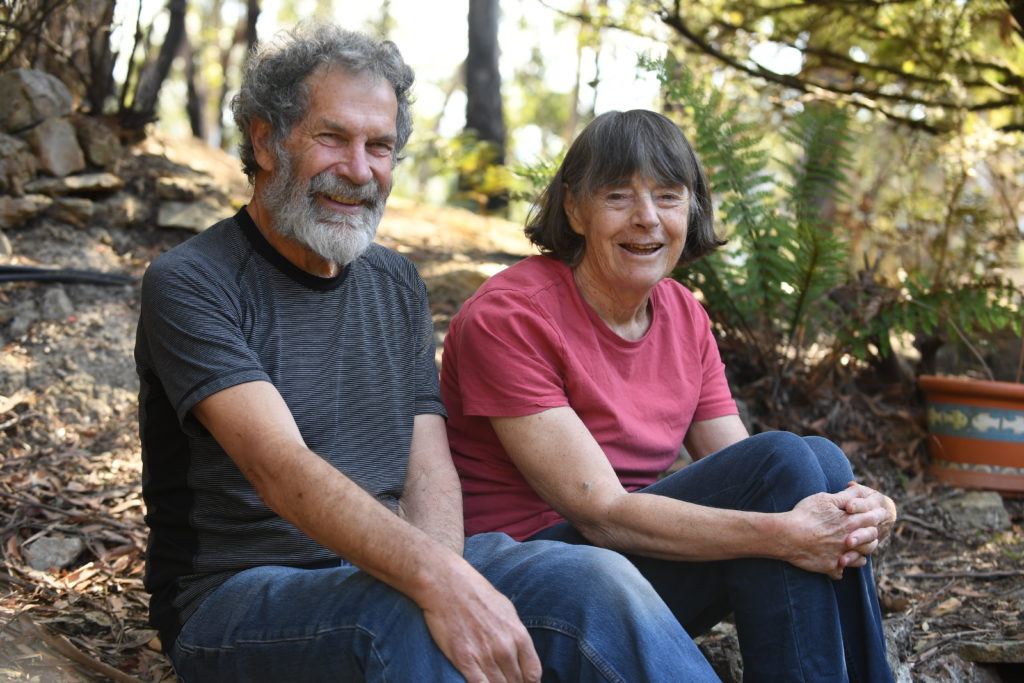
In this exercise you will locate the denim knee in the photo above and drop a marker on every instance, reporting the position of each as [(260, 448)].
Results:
[(793, 469), (833, 462)]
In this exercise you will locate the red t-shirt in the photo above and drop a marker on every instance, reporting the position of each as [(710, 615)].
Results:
[(527, 341)]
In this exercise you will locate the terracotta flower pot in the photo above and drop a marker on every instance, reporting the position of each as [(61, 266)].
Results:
[(976, 432)]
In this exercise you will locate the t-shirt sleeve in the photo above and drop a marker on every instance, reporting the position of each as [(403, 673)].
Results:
[(428, 391), (715, 396), (193, 336), (510, 358)]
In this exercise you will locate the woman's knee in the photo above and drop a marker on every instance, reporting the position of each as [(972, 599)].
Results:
[(790, 465), (833, 462)]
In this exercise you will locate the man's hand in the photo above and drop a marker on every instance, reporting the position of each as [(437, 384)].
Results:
[(825, 536), (479, 631)]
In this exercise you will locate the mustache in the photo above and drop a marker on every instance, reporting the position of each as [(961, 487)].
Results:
[(326, 182)]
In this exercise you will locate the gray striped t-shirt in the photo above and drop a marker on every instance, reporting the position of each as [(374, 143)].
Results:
[(353, 357)]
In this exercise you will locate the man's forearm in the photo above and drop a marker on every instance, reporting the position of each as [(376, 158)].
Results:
[(432, 499)]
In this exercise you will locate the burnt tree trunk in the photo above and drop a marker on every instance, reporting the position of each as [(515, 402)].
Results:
[(484, 116), (153, 75)]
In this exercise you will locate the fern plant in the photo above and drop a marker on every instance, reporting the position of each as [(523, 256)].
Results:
[(767, 289)]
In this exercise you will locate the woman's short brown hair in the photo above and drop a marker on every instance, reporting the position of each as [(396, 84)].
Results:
[(612, 149)]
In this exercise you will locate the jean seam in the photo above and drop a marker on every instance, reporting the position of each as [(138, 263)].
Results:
[(589, 651), (193, 649), (798, 645)]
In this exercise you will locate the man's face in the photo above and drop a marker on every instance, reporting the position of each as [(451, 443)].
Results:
[(332, 173)]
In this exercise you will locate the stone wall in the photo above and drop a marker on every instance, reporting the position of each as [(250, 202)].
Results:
[(59, 164)]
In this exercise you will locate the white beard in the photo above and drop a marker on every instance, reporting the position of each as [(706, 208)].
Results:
[(295, 213)]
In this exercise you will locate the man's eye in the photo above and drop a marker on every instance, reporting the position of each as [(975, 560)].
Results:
[(330, 139), (383, 148)]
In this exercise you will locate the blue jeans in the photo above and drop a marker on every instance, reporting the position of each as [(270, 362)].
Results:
[(591, 615), (793, 625)]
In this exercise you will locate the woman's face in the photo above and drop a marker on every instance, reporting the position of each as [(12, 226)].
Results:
[(634, 232)]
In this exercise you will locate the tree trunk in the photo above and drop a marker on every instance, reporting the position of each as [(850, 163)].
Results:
[(484, 115), (251, 17), (101, 62), (195, 102), (153, 75)]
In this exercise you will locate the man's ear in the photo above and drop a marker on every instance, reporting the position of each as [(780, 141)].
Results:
[(259, 133)]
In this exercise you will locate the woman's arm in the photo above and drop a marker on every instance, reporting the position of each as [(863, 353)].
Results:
[(560, 459), (708, 436)]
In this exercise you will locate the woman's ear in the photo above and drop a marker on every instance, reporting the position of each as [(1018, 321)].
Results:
[(259, 133), (572, 210)]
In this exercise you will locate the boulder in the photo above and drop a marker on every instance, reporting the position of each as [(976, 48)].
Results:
[(18, 165), (16, 210), (121, 210), (85, 183), (194, 216), (30, 97), (978, 510), (98, 141), (52, 551), (72, 210), (56, 146), (993, 651)]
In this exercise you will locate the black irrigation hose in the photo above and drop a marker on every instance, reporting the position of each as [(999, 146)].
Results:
[(87, 277)]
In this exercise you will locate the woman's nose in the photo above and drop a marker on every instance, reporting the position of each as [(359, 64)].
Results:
[(645, 213)]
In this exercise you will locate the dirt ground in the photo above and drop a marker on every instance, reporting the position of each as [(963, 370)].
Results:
[(69, 466)]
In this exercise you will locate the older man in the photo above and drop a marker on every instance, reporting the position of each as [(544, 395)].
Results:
[(305, 515)]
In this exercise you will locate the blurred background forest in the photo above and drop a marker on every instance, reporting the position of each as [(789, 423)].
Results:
[(866, 155)]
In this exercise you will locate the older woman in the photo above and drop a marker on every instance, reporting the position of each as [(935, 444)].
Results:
[(573, 377)]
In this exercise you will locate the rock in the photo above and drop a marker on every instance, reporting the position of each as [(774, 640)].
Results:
[(982, 510), (993, 652), (952, 668), (17, 165), (84, 183), (73, 210), (56, 304), (99, 143), (52, 551), (194, 216), (5, 251), (25, 315), (30, 97), (721, 647), (121, 210), (16, 210), (56, 147), (179, 189), (898, 645)]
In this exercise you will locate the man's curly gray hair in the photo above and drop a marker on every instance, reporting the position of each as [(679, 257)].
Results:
[(274, 82)]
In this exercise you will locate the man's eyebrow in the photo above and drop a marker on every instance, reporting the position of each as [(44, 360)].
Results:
[(336, 127)]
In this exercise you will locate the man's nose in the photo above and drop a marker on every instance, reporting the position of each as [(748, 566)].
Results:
[(354, 166)]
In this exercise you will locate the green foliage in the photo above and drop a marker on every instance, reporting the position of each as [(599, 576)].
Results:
[(783, 284), (767, 289), (962, 313), (534, 178)]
